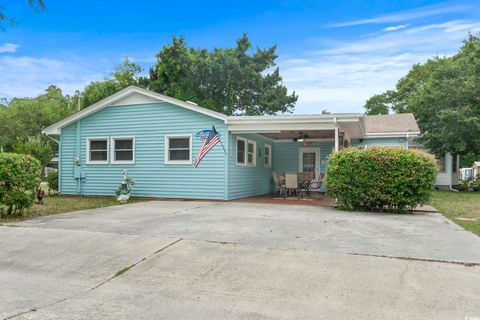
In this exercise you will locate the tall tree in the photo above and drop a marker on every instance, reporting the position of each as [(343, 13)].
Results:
[(125, 74), (24, 117), (444, 96), (232, 80), (37, 5)]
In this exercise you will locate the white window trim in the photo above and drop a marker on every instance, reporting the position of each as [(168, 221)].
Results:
[(87, 158), (244, 152), (166, 149), (269, 147), (112, 149), (254, 156)]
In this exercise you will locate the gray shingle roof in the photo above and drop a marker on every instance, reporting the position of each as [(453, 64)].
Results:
[(403, 122)]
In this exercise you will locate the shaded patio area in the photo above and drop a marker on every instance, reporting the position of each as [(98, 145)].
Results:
[(316, 200)]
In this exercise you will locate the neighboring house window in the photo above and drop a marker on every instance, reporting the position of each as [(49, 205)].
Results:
[(268, 155), (251, 152), (123, 149), (441, 164), (97, 150), (178, 149), (454, 162), (241, 143)]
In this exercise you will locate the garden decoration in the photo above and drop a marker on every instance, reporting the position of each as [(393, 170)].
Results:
[(125, 188)]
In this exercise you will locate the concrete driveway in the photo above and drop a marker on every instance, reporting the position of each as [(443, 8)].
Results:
[(210, 260)]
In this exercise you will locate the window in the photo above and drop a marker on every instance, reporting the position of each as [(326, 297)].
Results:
[(454, 163), (123, 150), (441, 164), (97, 150), (246, 152), (268, 155), (241, 150), (178, 149)]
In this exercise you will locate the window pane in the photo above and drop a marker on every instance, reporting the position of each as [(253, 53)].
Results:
[(126, 144), (267, 151), (308, 162), (98, 155), (98, 144), (454, 163), (178, 143), (124, 155), (250, 158), (250, 147), (240, 151), (441, 164), (179, 154)]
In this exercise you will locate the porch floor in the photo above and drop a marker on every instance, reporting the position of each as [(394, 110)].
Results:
[(316, 200)]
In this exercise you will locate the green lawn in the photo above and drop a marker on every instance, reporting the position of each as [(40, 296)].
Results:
[(56, 204), (461, 207)]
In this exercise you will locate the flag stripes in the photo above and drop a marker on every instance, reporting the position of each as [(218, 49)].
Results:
[(211, 141)]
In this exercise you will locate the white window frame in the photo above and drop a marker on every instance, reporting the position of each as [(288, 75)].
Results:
[(245, 152), (244, 163), (254, 156), (269, 163), (112, 156), (167, 149), (88, 139)]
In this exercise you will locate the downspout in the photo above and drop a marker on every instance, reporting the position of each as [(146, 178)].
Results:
[(78, 160)]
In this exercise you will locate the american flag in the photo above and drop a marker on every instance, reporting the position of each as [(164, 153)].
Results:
[(208, 144)]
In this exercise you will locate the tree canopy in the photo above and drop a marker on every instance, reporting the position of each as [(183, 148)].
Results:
[(231, 80), (444, 95)]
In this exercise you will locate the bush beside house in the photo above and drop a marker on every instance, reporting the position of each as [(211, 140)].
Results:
[(381, 178), (52, 180), (19, 177)]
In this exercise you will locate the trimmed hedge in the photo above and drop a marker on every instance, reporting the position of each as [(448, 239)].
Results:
[(19, 176), (381, 178)]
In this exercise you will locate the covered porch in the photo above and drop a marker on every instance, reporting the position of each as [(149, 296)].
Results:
[(299, 143)]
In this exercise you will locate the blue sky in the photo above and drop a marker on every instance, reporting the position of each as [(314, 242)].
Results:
[(334, 54)]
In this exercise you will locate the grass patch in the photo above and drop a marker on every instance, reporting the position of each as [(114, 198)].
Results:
[(55, 204), (122, 271), (461, 207)]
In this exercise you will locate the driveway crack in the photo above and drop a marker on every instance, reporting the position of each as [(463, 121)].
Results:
[(117, 274)]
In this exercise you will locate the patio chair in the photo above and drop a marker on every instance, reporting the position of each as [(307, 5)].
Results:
[(316, 185), (304, 181), (279, 185), (291, 183)]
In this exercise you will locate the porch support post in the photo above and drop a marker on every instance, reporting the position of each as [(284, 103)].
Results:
[(336, 135)]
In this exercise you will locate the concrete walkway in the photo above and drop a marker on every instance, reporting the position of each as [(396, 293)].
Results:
[(193, 260)]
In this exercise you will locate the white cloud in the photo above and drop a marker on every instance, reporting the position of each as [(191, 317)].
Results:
[(406, 15), (395, 28), (24, 76), (342, 76), (9, 48)]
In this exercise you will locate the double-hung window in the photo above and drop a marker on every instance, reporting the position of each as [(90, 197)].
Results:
[(268, 155), (97, 150), (123, 150), (246, 152), (178, 149)]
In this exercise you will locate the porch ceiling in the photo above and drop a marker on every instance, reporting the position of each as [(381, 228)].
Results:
[(312, 134)]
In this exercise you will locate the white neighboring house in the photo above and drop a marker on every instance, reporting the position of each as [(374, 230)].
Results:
[(52, 166), (449, 171), (476, 169)]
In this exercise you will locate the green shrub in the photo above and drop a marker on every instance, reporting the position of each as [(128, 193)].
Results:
[(379, 178), (52, 180), (19, 176)]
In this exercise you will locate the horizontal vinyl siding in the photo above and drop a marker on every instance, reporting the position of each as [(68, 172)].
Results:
[(285, 156), (247, 181), (148, 123)]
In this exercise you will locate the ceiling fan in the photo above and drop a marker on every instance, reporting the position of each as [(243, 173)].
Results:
[(301, 137)]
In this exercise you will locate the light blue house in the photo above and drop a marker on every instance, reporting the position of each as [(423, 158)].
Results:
[(153, 136)]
